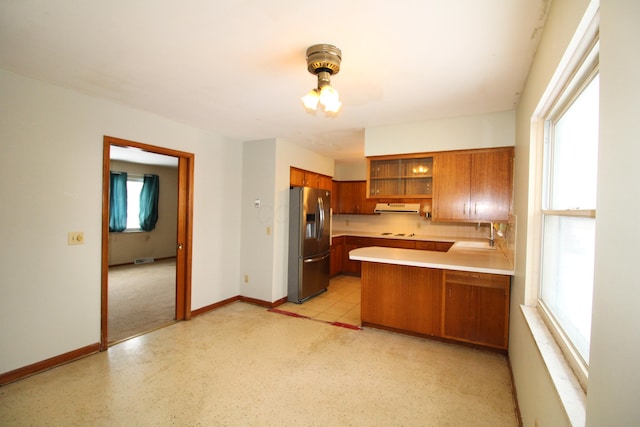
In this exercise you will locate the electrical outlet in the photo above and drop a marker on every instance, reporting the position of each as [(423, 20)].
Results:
[(246, 278), (75, 238)]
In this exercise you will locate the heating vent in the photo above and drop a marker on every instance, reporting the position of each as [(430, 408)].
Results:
[(143, 260)]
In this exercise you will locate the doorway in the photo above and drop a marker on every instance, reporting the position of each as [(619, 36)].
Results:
[(183, 229)]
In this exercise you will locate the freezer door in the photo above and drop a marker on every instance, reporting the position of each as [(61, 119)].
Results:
[(315, 276)]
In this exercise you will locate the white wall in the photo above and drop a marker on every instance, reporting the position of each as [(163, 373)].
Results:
[(266, 176), (51, 183), (351, 170), (537, 397), (479, 131), (257, 242), (614, 380)]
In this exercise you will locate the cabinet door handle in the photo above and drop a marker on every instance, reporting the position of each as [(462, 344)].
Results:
[(464, 209), (475, 208)]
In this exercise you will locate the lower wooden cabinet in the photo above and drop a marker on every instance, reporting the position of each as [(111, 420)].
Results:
[(398, 297), (336, 256), (476, 308), (433, 246), (454, 305), (352, 267)]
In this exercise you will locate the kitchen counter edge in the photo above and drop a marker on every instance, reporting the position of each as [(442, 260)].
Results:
[(471, 260)]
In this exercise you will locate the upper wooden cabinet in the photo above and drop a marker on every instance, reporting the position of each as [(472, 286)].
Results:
[(473, 185), (352, 198), (335, 196), (303, 178), (405, 176), (325, 182)]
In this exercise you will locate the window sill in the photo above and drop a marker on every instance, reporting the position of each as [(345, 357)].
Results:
[(567, 386)]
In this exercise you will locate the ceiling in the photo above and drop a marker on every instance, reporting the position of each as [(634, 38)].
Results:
[(237, 67)]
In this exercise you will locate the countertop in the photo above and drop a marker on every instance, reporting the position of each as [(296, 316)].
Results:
[(460, 258)]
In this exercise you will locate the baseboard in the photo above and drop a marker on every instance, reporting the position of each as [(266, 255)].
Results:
[(26, 371), (253, 301), (211, 307), (133, 263), (514, 393)]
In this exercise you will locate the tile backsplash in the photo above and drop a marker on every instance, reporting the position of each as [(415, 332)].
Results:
[(407, 223)]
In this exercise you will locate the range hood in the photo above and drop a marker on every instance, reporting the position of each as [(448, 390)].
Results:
[(397, 208)]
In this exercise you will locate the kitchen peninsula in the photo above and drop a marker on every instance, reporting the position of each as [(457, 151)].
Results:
[(459, 295)]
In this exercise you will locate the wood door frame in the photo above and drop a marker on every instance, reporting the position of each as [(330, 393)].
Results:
[(184, 229)]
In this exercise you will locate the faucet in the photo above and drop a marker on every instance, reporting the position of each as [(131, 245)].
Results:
[(492, 237)]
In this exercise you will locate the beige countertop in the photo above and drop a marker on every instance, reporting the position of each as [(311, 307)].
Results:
[(460, 258)]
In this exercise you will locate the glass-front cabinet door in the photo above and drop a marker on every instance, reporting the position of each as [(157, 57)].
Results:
[(400, 177)]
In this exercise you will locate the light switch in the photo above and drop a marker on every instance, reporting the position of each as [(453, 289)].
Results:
[(256, 203), (75, 238)]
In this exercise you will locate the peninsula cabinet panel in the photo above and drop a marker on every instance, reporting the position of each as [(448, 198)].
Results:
[(401, 297), (476, 308)]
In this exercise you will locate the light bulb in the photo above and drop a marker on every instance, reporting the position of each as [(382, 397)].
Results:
[(311, 99), (330, 99)]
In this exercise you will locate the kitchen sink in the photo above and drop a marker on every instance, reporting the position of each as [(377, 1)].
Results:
[(474, 245)]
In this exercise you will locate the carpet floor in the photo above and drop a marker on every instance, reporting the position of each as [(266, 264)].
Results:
[(141, 298)]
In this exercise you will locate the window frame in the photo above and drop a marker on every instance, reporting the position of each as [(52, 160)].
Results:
[(575, 79)]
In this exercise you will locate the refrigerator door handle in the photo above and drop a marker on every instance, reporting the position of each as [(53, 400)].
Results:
[(320, 208), (316, 259)]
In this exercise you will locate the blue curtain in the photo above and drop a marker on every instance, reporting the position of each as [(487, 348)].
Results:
[(149, 202), (118, 201)]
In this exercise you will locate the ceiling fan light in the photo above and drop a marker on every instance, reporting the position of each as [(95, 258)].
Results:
[(311, 99), (323, 60), (333, 107), (330, 99)]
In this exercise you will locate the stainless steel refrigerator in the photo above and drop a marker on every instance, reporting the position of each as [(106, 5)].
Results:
[(309, 240)]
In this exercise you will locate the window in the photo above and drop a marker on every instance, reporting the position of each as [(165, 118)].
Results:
[(134, 187), (568, 213), (133, 202)]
